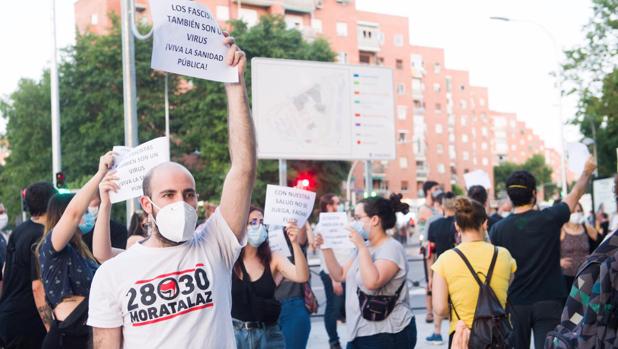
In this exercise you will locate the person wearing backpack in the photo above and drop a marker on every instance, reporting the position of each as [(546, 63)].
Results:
[(537, 294), (460, 272)]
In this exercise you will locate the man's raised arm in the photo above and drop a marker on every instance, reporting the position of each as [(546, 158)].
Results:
[(238, 185)]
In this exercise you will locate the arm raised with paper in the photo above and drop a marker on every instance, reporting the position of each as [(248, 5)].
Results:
[(299, 271), (238, 185)]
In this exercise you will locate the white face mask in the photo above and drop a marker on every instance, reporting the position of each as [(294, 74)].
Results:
[(93, 210), (176, 221), (577, 218), (4, 220), (504, 214)]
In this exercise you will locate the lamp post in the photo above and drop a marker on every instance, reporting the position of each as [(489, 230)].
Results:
[(563, 173), (55, 100)]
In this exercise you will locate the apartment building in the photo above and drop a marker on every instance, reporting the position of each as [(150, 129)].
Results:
[(444, 127)]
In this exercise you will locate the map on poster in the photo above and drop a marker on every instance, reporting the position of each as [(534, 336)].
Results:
[(323, 111)]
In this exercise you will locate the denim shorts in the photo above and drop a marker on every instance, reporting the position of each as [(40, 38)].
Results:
[(268, 337)]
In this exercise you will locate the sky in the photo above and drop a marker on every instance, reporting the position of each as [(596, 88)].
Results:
[(512, 59)]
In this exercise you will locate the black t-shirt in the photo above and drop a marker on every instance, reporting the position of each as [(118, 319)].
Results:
[(442, 233), (118, 235), (493, 219), (18, 314), (533, 239)]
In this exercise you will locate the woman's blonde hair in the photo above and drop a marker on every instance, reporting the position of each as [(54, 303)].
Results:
[(55, 209)]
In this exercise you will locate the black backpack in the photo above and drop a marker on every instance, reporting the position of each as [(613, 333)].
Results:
[(491, 327)]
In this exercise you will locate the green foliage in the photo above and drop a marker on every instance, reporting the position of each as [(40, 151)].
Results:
[(591, 73), (535, 165), (92, 121), (457, 190)]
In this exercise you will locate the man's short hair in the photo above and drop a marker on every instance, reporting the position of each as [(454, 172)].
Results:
[(148, 177), (428, 185), (37, 197), (521, 186), (448, 201), (478, 193)]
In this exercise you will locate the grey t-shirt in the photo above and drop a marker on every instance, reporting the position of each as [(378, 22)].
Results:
[(357, 326)]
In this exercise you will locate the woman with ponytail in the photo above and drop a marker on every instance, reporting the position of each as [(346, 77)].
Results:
[(377, 311), (452, 278)]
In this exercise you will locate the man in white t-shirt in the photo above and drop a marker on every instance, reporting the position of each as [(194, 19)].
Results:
[(174, 289)]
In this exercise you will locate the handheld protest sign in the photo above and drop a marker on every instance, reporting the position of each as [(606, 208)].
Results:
[(284, 204), (332, 226), (132, 164), (188, 41), (276, 241)]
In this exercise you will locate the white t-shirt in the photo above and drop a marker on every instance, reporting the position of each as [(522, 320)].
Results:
[(173, 297)]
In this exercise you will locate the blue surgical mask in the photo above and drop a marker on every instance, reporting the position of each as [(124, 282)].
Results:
[(88, 223), (360, 228), (256, 234)]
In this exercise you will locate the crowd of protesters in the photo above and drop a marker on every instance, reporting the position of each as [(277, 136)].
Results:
[(74, 278)]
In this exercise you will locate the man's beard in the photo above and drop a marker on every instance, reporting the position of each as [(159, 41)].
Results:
[(157, 235)]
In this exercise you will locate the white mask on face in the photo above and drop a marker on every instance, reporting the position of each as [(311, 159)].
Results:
[(4, 220), (504, 214), (176, 221), (577, 218)]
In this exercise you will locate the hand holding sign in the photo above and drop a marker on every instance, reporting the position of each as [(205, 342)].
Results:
[(284, 204), (107, 185), (276, 241), (332, 228), (189, 41)]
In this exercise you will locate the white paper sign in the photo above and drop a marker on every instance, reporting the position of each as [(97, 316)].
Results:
[(577, 154), (284, 204), (276, 241), (478, 177), (131, 166), (188, 41), (332, 226)]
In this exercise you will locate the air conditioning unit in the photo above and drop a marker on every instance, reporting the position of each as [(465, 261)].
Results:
[(343, 1), (319, 3)]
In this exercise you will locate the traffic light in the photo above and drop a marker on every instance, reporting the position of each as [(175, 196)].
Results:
[(305, 181), (60, 180)]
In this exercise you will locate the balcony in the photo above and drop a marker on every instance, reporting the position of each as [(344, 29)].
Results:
[(369, 37), (378, 169), (304, 6)]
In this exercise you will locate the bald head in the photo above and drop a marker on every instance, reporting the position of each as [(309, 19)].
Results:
[(165, 172)]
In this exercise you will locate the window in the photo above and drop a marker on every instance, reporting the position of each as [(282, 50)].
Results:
[(441, 168), (342, 57), (451, 152), (399, 64), (482, 102), (398, 40), (249, 16), (380, 61), (439, 149), (402, 112), (464, 120), (484, 145), (294, 22), (436, 87), (484, 131), (485, 162), (449, 84), (437, 68), (464, 138), (94, 19), (403, 162), (401, 89), (364, 58), (342, 29), (463, 104), (416, 61), (462, 87), (513, 147), (404, 186), (417, 85), (223, 13), (316, 24), (418, 105), (438, 107), (439, 129), (402, 136), (466, 155)]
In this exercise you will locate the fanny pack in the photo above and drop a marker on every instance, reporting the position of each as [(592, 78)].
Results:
[(377, 307)]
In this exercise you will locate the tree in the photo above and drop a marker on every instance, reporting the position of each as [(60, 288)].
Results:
[(590, 72), (535, 165), (92, 113)]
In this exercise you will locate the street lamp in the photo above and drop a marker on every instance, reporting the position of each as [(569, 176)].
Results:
[(563, 173)]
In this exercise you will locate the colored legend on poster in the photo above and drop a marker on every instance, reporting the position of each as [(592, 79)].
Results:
[(323, 111)]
